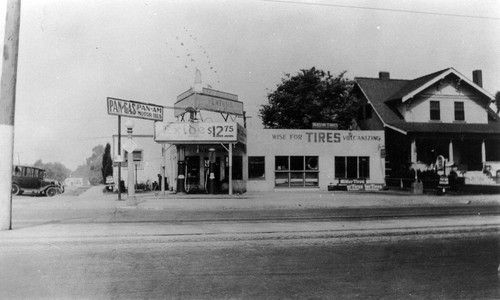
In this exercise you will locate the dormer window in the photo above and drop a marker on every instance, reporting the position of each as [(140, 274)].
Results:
[(459, 111), (435, 111)]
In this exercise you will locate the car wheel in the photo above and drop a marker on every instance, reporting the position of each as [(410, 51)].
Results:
[(51, 192), (15, 189)]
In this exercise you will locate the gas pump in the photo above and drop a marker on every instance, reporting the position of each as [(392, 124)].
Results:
[(444, 183), (211, 176)]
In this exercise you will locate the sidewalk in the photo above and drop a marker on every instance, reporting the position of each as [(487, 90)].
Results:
[(97, 215), (301, 200)]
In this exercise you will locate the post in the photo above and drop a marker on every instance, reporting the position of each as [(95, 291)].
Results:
[(130, 166), (7, 111), (164, 155), (414, 151), (483, 152), (120, 154), (450, 152), (230, 168)]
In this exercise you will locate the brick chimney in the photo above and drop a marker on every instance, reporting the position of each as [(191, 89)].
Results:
[(477, 77), (384, 75)]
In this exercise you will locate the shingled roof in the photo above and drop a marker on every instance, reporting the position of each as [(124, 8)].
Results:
[(384, 93)]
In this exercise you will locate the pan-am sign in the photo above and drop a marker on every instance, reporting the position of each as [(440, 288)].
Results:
[(134, 109)]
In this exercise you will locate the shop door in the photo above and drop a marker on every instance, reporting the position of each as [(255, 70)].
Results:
[(192, 171)]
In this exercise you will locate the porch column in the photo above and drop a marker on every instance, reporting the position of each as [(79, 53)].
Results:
[(414, 151), (450, 152), (483, 152)]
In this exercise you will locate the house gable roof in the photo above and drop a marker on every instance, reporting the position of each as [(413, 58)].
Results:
[(382, 93)]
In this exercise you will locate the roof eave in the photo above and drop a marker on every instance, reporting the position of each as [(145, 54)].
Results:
[(441, 76)]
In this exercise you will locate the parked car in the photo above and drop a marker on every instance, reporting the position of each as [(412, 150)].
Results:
[(32, 179)]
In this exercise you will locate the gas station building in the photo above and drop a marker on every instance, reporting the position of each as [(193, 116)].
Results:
[(197, 155)]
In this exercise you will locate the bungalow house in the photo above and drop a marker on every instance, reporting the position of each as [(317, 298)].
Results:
[(443, 118)]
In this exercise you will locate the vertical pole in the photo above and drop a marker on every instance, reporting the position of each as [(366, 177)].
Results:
[(230, 168), (450, 152), (164, 155), (483, 152), (119, 154), (414, 151), (130, 168), (7, 111)]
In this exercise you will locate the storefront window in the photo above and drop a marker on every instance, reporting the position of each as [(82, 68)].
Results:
[(303, 171), (352, 167), (237, 167), (297, 163), (256, 167), (281, 163)]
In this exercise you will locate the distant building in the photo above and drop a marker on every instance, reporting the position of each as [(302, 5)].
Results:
[(440, 114), (74, 182)]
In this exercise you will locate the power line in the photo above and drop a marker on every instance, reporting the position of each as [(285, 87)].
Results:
[(385, 9)]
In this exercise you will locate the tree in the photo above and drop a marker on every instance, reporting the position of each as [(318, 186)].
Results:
[(497, 101), (94, 163), (55, 170), (107, 163), (310, 96)]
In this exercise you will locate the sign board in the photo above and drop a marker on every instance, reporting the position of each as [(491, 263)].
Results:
[(318, 125), (209, 100), (134, 109), (199, 133), (130, 145)]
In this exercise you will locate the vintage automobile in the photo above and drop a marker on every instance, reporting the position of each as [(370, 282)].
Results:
[(32, 179)]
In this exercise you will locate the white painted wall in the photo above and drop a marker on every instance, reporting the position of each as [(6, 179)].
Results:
[(288, 142), (418, 108), (152, 159)]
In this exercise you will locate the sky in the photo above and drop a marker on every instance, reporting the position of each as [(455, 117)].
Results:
[(73, 54)]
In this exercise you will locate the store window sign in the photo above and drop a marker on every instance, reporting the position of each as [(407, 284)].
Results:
[(198, 132)]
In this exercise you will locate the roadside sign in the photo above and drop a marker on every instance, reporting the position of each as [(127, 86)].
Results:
[(134, 109), (130, 145)]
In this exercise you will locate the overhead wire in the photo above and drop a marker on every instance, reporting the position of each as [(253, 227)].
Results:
[(385, 9)]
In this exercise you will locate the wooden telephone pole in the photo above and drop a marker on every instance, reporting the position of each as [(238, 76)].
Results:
[(7, 111)]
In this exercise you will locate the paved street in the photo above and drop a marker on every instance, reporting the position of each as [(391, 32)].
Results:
[(255, 246)]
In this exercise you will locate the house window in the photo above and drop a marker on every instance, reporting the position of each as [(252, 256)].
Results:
[(256, 167), (136, 155), (435, 111), (459, 111), (296, 171), (352, 167)]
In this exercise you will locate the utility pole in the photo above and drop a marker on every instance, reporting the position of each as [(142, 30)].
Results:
[(7, 111)]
